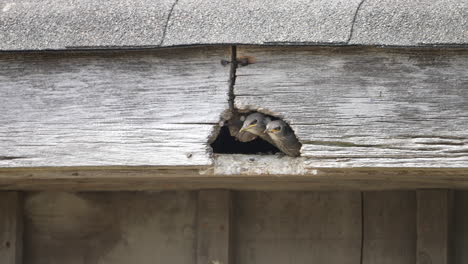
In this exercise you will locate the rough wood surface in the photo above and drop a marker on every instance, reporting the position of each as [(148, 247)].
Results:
[(361, 107), (242, 172), (111, 108), (98, 228), (214, 227), (434, 226), (298, 227), (11, 228), (389, 227)]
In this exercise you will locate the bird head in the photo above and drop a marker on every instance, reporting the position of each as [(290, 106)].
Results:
[(255, 123), (276, 127)]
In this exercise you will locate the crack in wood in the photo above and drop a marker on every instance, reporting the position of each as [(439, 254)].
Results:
[(343, 144), (432, 136), (11, 157), (386, 156), (442, 143), (232, 79), (190, 123)]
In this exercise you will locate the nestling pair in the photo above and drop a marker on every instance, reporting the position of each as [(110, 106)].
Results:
[(276, 132)]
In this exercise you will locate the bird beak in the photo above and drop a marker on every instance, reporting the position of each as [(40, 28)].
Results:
[(272, 130), (245, 128)]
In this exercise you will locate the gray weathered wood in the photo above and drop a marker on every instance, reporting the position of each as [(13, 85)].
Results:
[(11, 228), (298, 227), (362, 107), (111, 108), (232, 172), (214, 227), (98, 228), (389, 228), (434, 226)]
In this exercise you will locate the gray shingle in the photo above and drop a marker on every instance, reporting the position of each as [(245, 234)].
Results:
[(60, 24), (75, 24), (411, 23), (260, 22)]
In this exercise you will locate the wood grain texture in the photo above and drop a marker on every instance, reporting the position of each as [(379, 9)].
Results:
[(434, 226), (111, 108), (362, 107), (298, 227), (243, 172), (120, 227), (389, 227), (214, 212), (11, 228)]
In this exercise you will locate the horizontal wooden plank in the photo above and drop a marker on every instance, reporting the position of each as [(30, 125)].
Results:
[(111, 108), (241, 172), (362, 107)]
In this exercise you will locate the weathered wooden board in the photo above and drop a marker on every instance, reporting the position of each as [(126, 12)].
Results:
[(362, 107), (214, 236), (389, 227), (111, 108), (298, 227), (244, 172), (98, 228), (11, 228)]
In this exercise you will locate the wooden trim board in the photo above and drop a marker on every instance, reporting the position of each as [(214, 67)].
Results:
[(240, 172)]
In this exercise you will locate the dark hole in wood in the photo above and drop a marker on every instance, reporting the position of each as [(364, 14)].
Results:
[(226, 144), (7, 244)]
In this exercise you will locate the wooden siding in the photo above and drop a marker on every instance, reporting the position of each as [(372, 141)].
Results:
[(219, 226), (298, 227), (369, 119), (118, 228), (111, 108), (11, 228), (354, 107)]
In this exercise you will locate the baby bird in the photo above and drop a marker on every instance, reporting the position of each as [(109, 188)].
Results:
[(235, 126), (255, 123), (283, 137)]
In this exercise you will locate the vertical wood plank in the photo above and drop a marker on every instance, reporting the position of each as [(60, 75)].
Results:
[(298, 227), (214, 227), (110, 227), (389, 227), (460, 233), (434, 214), (11, 228)]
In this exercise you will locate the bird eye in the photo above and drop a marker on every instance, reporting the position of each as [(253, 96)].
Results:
[(254, 122), (278, 128)]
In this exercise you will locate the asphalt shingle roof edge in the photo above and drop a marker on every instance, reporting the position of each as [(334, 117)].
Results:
[(89, 24)]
